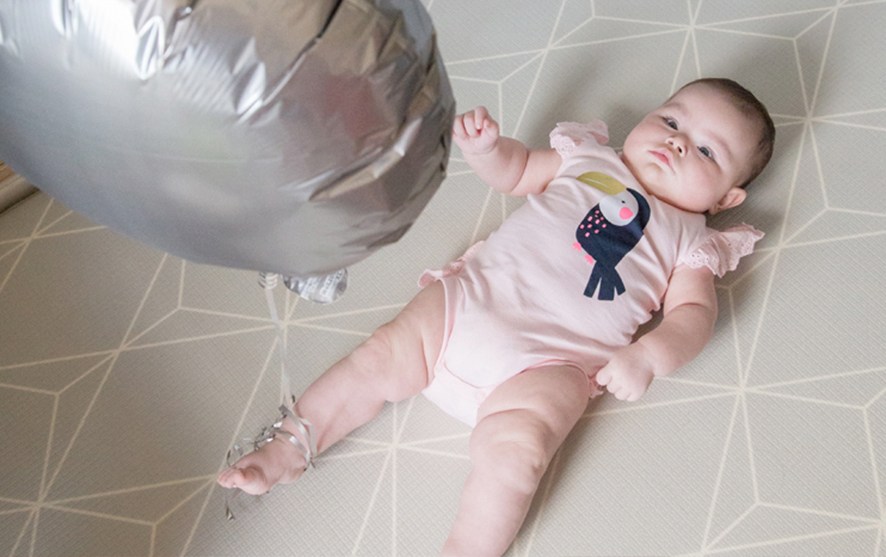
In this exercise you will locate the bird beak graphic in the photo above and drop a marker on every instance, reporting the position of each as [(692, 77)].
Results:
[(606, 184)]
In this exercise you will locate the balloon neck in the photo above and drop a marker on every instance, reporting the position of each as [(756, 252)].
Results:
[(320, 290)]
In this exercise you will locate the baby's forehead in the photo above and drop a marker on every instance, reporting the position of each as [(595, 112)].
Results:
[(702, 97)]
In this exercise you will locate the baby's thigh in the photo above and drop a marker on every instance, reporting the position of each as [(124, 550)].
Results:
[(547, 401), (415, 337)]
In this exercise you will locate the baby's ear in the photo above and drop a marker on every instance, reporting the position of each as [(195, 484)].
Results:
[(733, 198)]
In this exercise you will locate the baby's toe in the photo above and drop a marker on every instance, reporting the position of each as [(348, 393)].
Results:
[(228, 477), (250, 480)]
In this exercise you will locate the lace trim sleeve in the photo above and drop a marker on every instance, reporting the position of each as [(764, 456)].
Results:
[(722, 250), (567, 135)]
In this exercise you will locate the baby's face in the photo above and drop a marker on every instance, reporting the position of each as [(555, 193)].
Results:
[(694, 150)]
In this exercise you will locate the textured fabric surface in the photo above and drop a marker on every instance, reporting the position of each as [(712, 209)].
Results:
[(126, 374)]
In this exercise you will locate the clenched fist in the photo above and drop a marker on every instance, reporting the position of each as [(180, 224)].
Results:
[(475, 132), (628, 374)]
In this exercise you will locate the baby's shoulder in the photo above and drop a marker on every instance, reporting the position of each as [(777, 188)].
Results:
[(569, 135)]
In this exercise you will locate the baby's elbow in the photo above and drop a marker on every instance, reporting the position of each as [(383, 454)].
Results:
[(540, 168), (706, 308), (702, 318), (711, 312), (707, 316)]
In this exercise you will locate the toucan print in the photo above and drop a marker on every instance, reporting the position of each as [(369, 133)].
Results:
[(609, 231)]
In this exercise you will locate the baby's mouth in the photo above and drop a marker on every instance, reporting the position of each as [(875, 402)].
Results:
[(663, 158)]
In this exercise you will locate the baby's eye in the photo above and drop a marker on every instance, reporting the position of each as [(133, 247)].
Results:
[(706, 152), (671, 123)]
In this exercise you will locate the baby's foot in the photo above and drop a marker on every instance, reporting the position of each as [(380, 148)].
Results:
[(276, 462)]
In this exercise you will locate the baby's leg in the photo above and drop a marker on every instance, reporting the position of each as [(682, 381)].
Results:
[(519, 428), (390, 366)]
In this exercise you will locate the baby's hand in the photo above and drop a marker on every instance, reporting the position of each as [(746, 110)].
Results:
[(475, 132), (628, 374)]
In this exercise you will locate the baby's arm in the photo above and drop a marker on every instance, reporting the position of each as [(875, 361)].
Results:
[(690, 310), (504, 163)]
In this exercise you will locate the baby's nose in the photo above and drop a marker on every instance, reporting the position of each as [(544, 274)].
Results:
[(677, 143)]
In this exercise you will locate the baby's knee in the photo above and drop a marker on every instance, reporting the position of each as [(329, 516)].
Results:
[(376, 351), (514, 451), (374, 357), (385, 358)]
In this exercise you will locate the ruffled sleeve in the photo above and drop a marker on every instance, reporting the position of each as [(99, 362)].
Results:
[(567, 135), (452, 268), (722, 250)]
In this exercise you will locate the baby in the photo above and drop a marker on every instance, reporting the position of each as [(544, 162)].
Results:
[(515, 336)]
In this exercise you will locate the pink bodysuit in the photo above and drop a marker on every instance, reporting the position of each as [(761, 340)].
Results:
[(569, 277)]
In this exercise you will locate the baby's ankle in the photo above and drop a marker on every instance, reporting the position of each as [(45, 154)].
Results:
[(297, 444)]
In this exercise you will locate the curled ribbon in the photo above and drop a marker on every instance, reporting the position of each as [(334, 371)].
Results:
[(267, 435)]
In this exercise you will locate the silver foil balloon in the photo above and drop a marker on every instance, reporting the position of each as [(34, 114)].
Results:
[(292, 136)]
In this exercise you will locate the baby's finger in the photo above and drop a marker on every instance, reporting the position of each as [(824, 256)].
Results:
[(603, 378), (619, 389), (481, 117), (491, 127), (471, 124), (458, 127)]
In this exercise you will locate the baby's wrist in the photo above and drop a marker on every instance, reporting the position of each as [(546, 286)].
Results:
[(481, 152), (653, 361)]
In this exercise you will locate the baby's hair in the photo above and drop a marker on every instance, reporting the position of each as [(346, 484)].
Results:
[(750, 106)]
